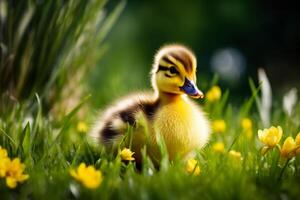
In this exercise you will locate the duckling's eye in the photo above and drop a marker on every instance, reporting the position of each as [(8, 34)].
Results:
[(173, 70)]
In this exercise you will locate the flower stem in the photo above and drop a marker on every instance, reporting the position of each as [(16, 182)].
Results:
[(282, 170)]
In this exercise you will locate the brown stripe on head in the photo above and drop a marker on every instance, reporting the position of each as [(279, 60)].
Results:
[(166, 59), (184, 59), (180, 53)]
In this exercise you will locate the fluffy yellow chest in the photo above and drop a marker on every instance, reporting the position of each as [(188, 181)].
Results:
[(179, 123)]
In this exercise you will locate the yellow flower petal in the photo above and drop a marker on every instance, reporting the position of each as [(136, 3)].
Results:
[(214, 94), (23, 177), (246, 124), (270, 137), (288, 147), (73, 173), (4, 163), (82, 127), (11, 182), (261, 135), (87, 175), (3, 153), (192, 167), (126, 154), (218, 147), (219, 126)]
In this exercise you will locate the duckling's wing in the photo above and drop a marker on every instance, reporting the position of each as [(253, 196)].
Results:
[(114, 121)]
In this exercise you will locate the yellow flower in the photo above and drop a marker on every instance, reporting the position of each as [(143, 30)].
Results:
[(235, 155), (219, 126), (3, 161), (288, 148), (82, 127), (126, 154), (87, 175), (218, 147), (246, 124), (3, 153), (14, 173), (3, 166), (12, 170), (270, 137), (192, 167), (214, 94)]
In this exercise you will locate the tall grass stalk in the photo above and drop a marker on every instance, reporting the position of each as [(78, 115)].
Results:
[(47, 47)]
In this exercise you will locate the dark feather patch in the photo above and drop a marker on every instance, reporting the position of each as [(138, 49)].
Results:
[(127, 116), (150, 108), (108, 133)]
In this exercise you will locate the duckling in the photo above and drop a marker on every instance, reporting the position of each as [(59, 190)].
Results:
[(167, 112)]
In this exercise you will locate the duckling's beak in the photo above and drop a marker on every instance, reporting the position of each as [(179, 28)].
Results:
[(190, 88)]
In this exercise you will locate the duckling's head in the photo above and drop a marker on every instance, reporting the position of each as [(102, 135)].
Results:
[(174, 71)]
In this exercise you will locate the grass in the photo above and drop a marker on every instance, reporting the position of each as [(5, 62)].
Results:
[(49, 149)]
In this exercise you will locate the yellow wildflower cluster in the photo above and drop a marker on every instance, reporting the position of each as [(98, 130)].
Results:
[(11, 170), (214, 94), (82, 127), (219, 126), (271, 138), (291, 147), (246, 124), (87, 175), (192, 167), (126, 154)]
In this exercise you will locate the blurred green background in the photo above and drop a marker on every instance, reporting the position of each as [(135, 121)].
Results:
[(64, 50), (231, 38)]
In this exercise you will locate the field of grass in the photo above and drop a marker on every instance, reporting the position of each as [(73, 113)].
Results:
[(47, 52), (50, 149)]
